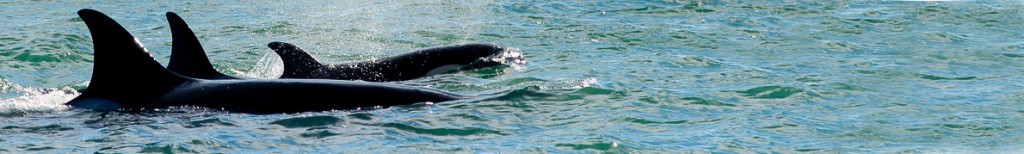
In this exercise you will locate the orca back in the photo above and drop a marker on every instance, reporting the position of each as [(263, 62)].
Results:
[(299, 64)]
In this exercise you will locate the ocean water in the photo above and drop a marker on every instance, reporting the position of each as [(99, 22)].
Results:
[(603, 76)]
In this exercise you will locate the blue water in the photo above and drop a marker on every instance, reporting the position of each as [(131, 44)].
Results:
[(603, 76)]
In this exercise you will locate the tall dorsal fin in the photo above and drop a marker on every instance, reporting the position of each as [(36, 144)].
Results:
[(123, 70), (295, 59), (187, 55)]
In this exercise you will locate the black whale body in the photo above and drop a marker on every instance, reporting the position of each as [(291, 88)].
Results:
[(299, 64), (189, 59), (126, 77)]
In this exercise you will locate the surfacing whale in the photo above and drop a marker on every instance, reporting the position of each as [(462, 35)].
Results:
[(189, 59), (126, 77), (301, 65)]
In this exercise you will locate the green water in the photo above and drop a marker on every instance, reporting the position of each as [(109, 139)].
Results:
[(603, 77)]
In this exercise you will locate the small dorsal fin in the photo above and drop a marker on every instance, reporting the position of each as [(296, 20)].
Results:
[(123, 70), (187, 55), (294, 58)]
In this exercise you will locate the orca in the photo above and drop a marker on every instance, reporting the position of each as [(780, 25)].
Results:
[(299, 64), (189, 59), (126, 77)]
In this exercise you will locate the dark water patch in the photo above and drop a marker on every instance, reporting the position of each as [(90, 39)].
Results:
[(102, 140), (520, 95), (171, 148), (702, 101), (319, 134), (312, 121), (869, 134), (45, 130), (944, 37), (612, 48), (685, 101), (227, 29), (809, 150), (157, 28), (974, 128), (935, 77), (75, 20), (355, 30), (600, 146), (770, 92), (892, 74), (646, 121), (361, 116), (468, 131), (693, 40), (493, 35), (652, 100), (209, 144), (469, 117), (809, 79), (842, 27), (12, 52), (28, 57), (840, 47), (207, 123), (639, 9), (876, 21), (697, 61), (36, 148), (536, 18), (887, 73), (599, 91), (1013, 55), (847, 87), (742, 22), (937, 13), (779, 126)]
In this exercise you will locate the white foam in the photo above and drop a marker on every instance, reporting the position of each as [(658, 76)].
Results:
[(511, 56), (34, 100)]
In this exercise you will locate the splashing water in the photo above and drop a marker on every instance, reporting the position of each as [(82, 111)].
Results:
[(269, 66), (510, 56), (34, 100)]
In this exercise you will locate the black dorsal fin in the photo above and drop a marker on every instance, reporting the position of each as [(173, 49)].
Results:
[(187, 55), (296, 60), (123, 72)]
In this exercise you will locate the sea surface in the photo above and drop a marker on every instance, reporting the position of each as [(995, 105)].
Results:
[(603, 76)]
